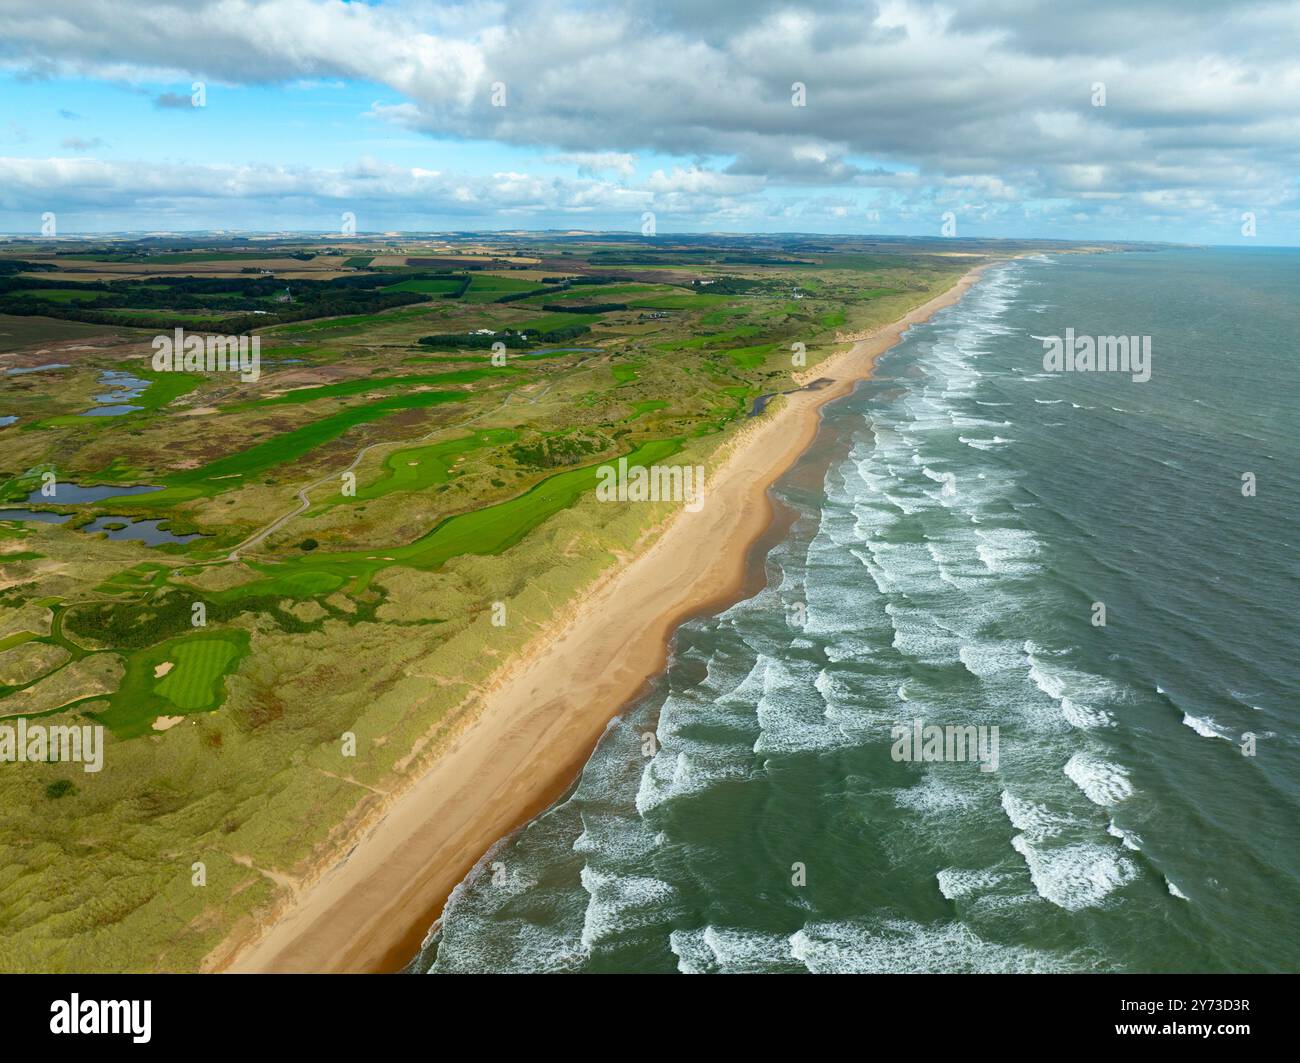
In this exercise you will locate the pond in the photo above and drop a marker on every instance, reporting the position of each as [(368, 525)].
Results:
[(123, 386), (19, 370), (147, 530), (144, 530), (34, 514), (73, 494)]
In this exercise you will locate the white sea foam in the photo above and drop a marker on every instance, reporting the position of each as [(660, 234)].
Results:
[(1076, 876), (668, 777), (728, 950), (475, 948), (984, 444), (977, 422), (621, 837), (1129, 839), (936, 795), (898, 946), (957, 882), (686, 765), (791, 715), (1085, 717), (1101, 781), (1036, 821), (620, 902), (1081, 689), (1204, 726), (1007, 551)]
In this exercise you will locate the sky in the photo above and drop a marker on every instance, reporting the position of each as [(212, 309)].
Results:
[(1169, 120)]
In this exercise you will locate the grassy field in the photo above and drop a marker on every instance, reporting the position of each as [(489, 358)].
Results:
[(438, 485), (431, 287), (27, 333)]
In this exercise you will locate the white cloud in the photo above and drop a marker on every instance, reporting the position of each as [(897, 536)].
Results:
[(984, 102), (597, 162)]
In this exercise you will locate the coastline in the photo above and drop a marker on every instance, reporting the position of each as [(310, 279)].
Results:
[(369, 910)]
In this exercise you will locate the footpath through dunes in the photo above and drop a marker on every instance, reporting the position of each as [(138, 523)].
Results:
[(368, 904)]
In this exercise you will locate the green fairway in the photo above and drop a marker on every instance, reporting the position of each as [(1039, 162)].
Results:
[(284, 582), (750, 357), (415, 468), (496, 528), (139, 578), (714, 339), (723, 315), (16, 639), (364, 384), (229, 472), (163, 387), (489, 530)]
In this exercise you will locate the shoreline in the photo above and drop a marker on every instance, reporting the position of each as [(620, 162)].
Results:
[(370, 909)]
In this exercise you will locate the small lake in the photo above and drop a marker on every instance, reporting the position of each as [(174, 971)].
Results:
[(73, 494), (20, 370), (34, 514), (115, 402), (6, 421), (146, 530)]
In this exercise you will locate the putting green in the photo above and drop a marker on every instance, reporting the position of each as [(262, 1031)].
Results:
[(193, 683)]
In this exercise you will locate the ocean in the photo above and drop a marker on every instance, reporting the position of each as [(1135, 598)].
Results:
[(963, 521)]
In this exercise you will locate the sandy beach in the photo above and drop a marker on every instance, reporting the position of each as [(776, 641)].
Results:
[(370, 905)]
